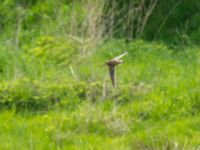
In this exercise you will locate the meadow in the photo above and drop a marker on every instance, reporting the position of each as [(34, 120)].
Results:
[(155, 104), (55, 89)]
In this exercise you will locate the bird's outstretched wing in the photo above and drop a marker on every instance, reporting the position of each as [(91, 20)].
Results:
[(120, 56), (112, 74)]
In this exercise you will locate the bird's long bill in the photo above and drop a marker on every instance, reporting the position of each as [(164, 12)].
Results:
[(112, 74)]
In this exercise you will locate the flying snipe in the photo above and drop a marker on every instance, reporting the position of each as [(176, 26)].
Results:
[(111, 64)]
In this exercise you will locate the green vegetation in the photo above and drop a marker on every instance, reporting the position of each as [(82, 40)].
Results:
[(55, 91)]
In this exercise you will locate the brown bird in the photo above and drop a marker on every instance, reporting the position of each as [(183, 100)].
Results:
[(111, 64)]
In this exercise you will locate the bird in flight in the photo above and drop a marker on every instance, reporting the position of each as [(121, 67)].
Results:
[(112, 64)]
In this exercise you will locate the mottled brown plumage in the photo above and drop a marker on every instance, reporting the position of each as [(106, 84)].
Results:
[(111, 64)]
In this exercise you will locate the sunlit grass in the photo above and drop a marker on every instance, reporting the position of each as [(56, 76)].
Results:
[(92, 127), (155, 105)]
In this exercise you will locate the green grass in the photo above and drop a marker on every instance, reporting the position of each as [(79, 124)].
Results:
[(156, 104), (95, 126)]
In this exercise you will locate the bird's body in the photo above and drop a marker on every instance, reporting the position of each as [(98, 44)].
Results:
[(111, 64)]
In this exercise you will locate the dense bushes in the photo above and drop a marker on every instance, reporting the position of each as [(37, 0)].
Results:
[(146, 101), (57, 51), (30, 94)]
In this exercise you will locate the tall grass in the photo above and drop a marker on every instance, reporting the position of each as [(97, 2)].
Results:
[(86, 21), (99, 20), (96, 126)]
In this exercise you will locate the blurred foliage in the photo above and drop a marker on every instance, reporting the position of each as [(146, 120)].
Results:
[(57, 51), (171, 21), (175, 21), (170, 87), (33, 95)]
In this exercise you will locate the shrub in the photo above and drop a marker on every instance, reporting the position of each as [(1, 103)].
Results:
[(25, 93), (58, 51)]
